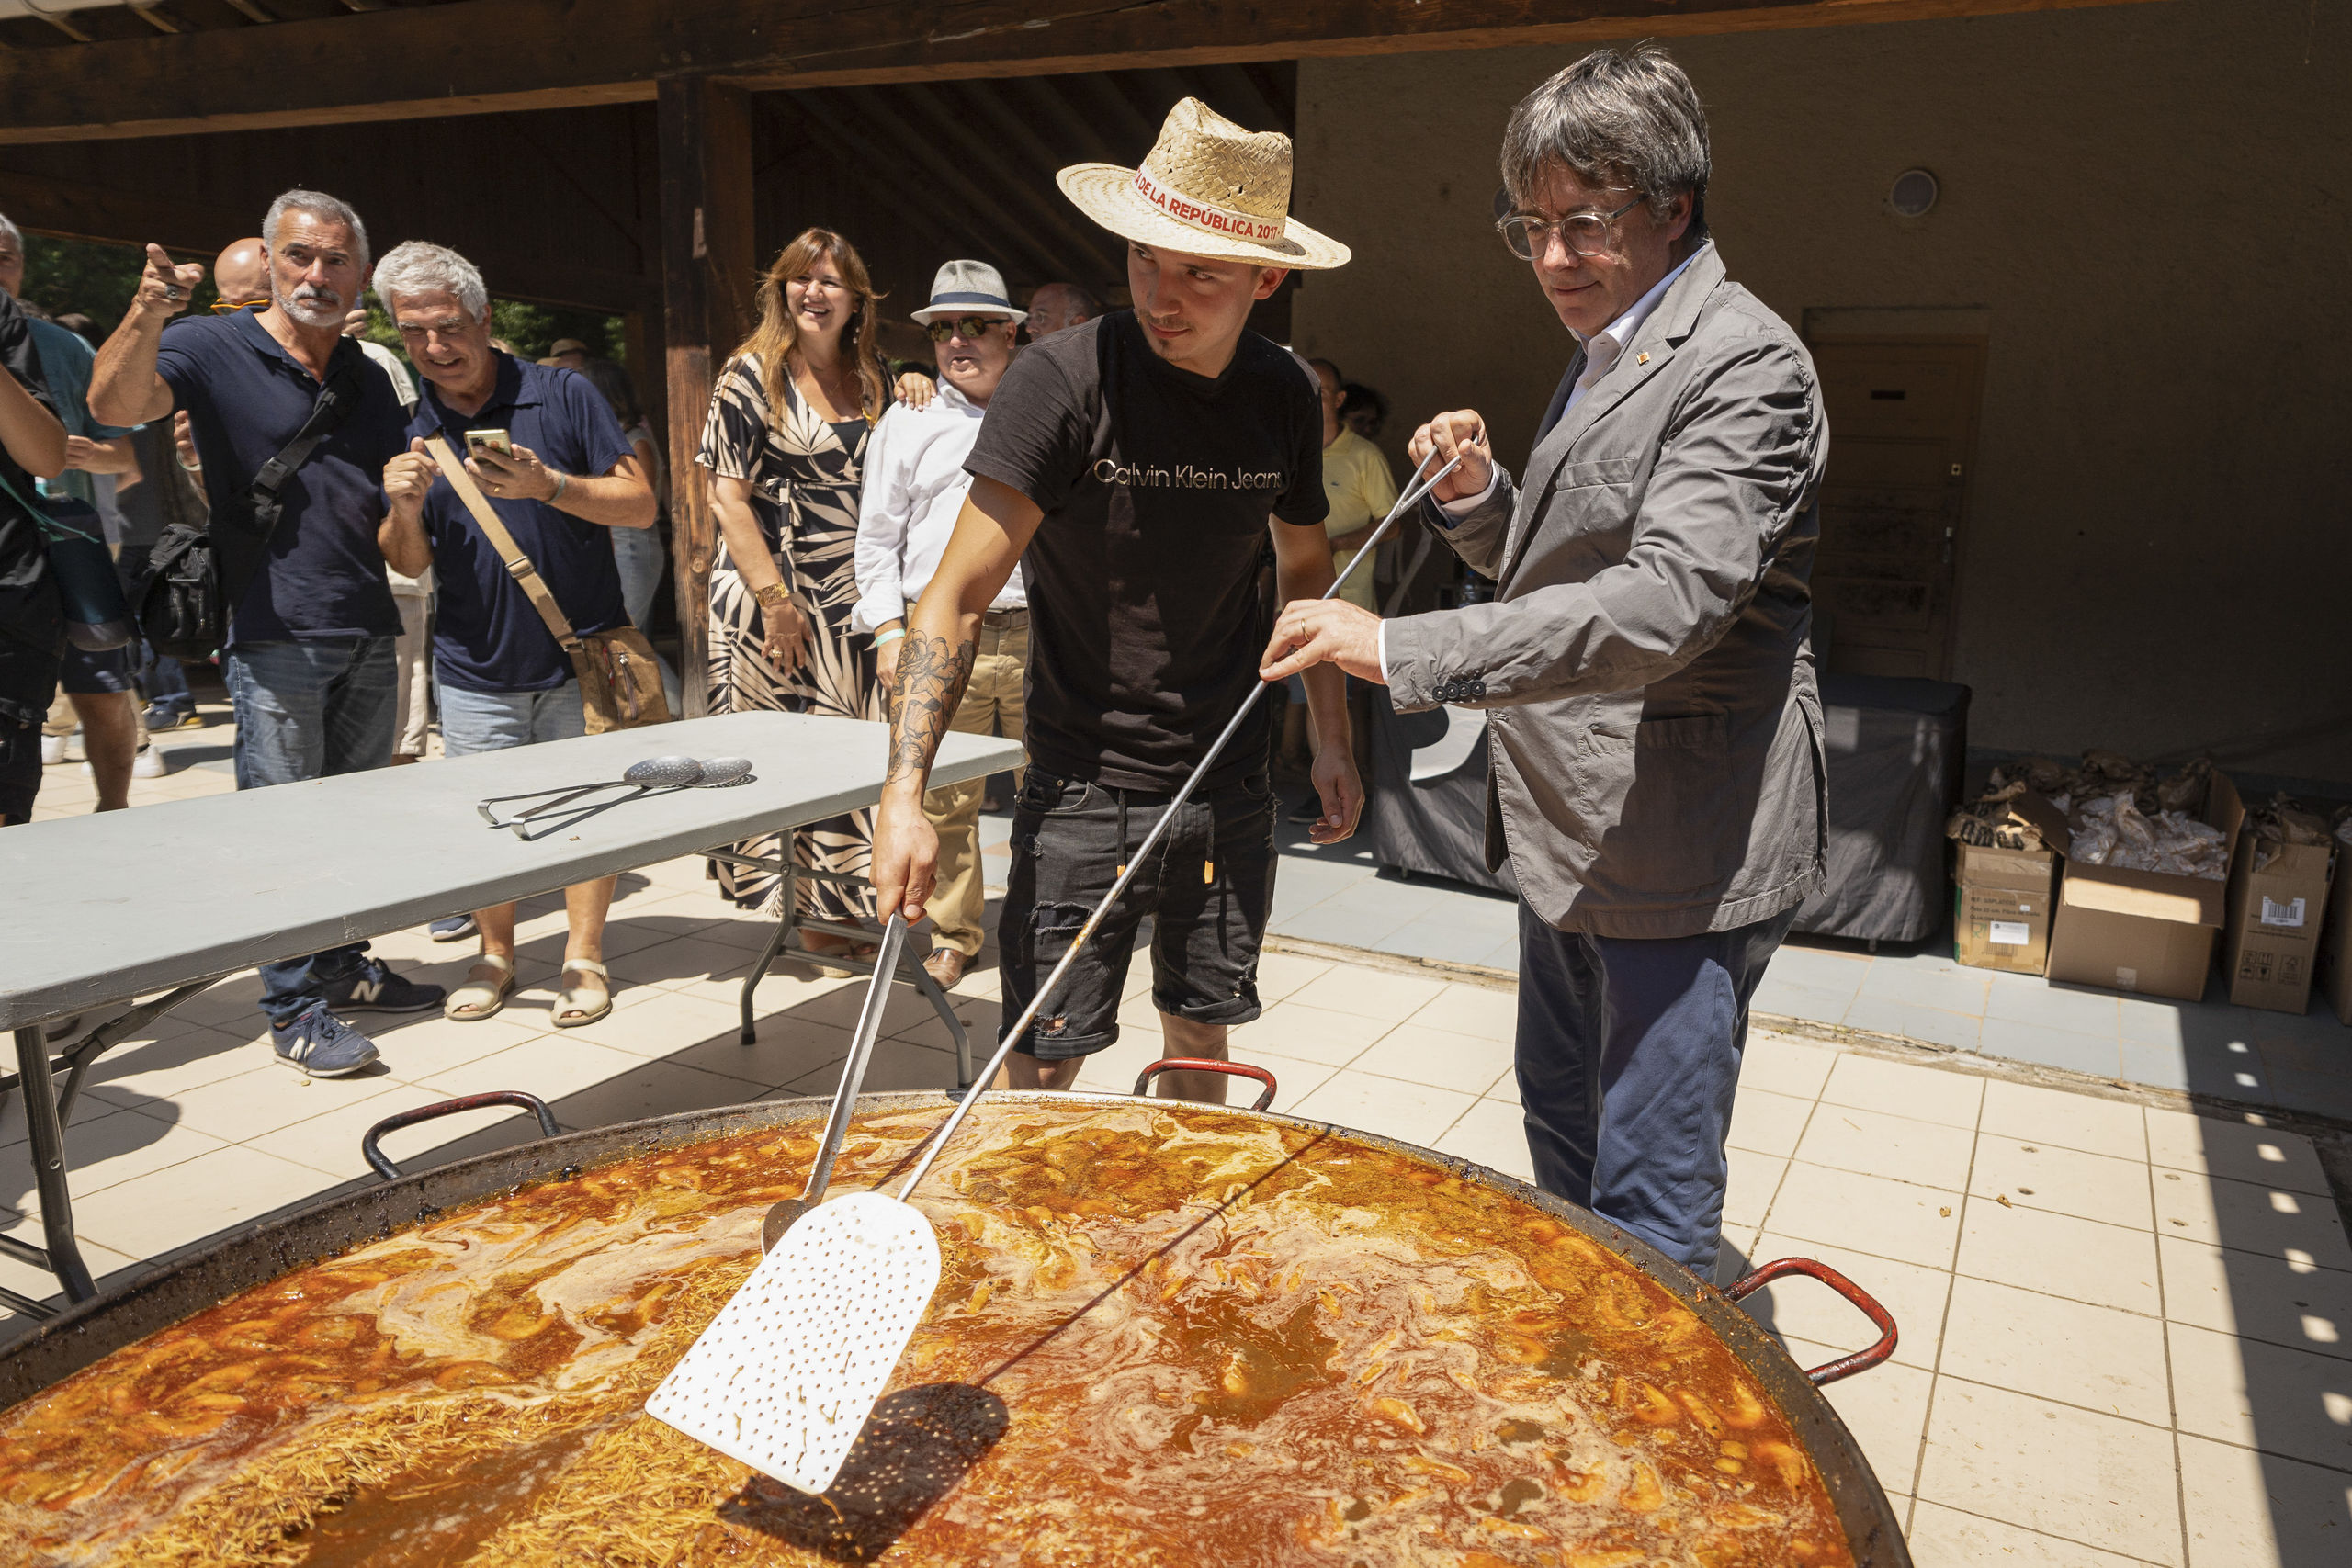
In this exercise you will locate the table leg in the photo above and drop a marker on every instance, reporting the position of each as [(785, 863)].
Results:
[(46, 1130), (748, 1034)]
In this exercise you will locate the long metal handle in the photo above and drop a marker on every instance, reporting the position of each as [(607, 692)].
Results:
[(382, 1163), (1844, 1366), (1414, 490), (861, 1051)]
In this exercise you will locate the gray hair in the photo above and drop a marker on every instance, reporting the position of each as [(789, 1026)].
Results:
[(1627, 118), (417, 266), (318, 204), (11, 232), (1075, 300)]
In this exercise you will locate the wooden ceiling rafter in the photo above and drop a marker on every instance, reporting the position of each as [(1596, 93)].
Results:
[(484, 56), (1012, 240), (849, 147), (1006, 188), (1096, 254)]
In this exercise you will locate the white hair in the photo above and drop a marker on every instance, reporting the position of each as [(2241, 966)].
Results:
[(419, 266), (13, 232), (318, 204)]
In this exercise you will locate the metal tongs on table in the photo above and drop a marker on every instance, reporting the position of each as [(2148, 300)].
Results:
[(653, 775), (785, 1375)]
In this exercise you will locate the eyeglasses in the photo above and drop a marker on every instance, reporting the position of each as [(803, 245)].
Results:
[(1586, 233), (971, 328)]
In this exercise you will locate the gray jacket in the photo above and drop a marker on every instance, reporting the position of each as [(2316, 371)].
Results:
[(1656, 736)]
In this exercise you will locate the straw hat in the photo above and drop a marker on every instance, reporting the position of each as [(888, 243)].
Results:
[(1209, 188), (967, 288)]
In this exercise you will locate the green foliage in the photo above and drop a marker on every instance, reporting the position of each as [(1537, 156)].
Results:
[(65, 276)]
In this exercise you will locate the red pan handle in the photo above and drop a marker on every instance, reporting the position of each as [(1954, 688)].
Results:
[(1844, 1366), (382, 1164), (1203, 1065)]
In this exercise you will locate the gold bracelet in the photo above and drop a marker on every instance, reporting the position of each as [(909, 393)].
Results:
[(774, 593)]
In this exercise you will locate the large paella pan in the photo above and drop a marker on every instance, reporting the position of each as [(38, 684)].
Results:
[(1165, 1334)]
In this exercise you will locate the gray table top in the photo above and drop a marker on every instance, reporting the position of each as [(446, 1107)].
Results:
[(100, 908)]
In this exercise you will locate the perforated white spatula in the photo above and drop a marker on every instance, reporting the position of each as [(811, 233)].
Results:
[(785, 1375)]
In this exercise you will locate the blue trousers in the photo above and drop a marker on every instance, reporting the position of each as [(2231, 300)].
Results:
[(308, 710), (1629, 1052)]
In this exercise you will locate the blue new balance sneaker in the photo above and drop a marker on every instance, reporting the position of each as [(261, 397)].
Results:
[(319, 1043), (373, 988), (451, 927)]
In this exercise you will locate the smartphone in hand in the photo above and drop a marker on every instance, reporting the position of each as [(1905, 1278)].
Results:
[(495, 440)]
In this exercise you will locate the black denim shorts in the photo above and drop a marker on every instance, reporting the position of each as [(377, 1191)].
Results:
[(28, 682), (1207, 887)]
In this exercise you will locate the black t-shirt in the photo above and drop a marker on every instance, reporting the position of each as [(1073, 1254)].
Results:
[(1144, 615), (29, 608)]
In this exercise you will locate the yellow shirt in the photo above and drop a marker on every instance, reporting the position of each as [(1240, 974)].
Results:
[(1362, 490)]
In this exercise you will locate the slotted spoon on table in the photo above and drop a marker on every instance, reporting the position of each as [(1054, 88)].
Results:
[(785, 1375)]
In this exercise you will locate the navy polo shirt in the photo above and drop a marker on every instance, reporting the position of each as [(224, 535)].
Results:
[(246, 398), (486, 636)]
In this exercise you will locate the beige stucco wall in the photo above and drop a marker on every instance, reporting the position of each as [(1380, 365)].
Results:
[(2144, 207)]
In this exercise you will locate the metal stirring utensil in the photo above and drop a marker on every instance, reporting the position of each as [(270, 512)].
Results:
[(785, 1376)]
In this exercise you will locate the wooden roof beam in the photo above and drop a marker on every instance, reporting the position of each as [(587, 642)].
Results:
[(482, 56)]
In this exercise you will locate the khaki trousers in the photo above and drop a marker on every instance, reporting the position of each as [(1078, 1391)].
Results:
[(412, 652), (991, 705)]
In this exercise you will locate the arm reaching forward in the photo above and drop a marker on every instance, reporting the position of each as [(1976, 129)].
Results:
[(934, 666)]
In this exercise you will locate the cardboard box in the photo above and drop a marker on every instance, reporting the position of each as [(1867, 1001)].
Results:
[(2001, 911), (2274, 931), (2139, 930), (2335, 949)]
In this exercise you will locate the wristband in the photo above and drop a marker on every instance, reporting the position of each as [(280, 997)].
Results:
[(883, 639), (562, 482)]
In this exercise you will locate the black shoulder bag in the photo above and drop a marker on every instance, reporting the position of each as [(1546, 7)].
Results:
[(182, 607)]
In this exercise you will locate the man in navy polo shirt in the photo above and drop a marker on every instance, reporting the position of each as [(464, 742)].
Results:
[(571, 476), (309, 661)]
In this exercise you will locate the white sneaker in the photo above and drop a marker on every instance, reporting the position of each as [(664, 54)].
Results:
[(148, 764), (53, 750)]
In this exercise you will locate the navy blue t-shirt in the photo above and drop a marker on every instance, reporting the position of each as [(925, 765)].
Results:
[(247, 398), (486, 636)]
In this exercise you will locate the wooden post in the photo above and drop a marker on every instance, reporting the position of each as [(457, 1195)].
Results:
[(704, 133)]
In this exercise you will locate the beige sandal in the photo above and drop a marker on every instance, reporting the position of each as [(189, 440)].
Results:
[(573, 999), (479, 999)]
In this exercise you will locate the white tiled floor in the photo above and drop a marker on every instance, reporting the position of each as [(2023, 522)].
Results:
[(2126, 1329)]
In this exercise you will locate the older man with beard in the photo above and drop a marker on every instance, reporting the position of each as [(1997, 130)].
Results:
[(312, 622)]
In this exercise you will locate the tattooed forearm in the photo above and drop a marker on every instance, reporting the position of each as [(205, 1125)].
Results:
[(930, 683)]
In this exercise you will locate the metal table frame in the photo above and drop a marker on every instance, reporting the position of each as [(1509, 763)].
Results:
[(911, 971)]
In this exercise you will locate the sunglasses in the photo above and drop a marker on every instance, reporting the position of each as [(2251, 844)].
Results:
[(222, 307), (971, 328)]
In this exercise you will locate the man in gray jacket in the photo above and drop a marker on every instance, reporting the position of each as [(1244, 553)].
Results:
[(1657, 778)]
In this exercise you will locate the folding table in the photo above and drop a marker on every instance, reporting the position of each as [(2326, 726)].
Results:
[(98, 910)]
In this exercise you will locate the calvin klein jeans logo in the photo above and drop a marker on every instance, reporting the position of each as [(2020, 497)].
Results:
[(1184, 476)]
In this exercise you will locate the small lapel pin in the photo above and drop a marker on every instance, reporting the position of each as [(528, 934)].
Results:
[(1641, 359)]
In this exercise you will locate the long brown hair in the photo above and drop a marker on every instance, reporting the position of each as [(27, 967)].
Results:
[(775, 335)]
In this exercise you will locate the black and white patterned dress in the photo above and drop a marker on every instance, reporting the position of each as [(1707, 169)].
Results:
[(804, 474)]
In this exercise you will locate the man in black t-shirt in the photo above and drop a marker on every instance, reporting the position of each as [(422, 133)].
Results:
[(1135, 467)]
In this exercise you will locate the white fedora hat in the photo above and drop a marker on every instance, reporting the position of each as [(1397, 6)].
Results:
[(1209, 188), (967, 288)]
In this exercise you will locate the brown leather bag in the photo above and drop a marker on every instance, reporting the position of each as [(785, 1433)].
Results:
[(620, 680)]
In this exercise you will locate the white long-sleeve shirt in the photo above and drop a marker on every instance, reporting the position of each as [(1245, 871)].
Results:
[(914, 486)]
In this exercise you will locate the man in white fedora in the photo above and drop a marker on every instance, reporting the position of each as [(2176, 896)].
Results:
[(1140, 461), (915, 489)]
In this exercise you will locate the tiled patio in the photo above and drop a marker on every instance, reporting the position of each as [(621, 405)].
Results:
[(1340, 897), (2127, 1329)]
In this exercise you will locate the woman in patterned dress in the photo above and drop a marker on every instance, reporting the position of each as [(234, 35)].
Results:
[(784, 444)]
